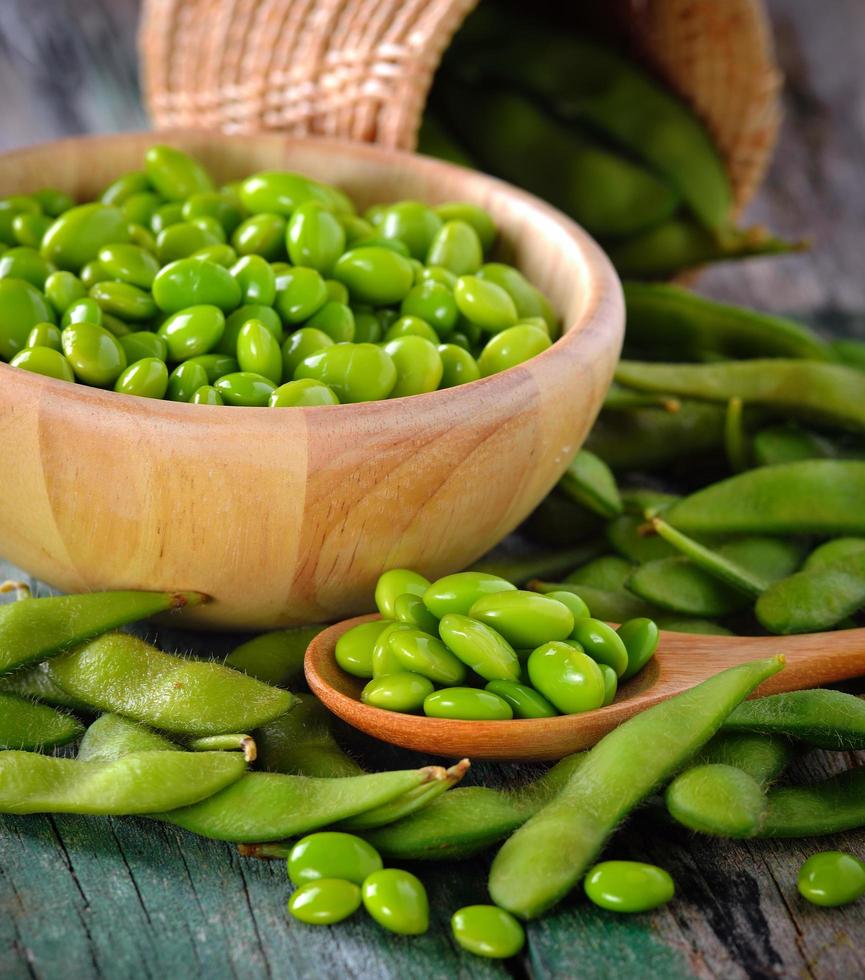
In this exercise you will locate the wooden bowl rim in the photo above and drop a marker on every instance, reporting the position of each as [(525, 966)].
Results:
[(602, 280)]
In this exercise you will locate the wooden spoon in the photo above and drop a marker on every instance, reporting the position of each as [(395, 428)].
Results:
[(682, 660)]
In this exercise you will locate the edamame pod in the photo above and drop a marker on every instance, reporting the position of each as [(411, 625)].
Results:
[(588, 481), (270, 806), (828, 807), (646, 438), (123, 674), (546, 857), (827, 719), (681, 325), (26, 725), (33, 629), (276, 657), (817, 496), (140, 782), (809, 390), (816, 598), (504, 130)]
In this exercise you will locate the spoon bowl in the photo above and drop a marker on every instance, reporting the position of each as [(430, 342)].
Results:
[(681, 661)]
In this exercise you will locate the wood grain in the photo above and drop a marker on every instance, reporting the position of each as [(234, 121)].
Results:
[(290, 516), (128, 898)]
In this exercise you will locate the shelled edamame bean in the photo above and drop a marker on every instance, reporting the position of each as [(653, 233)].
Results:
[(312, 305), (471, 646)]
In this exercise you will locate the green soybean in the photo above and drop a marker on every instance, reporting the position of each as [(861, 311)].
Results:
[(426, 655), (373, 274), (27, 264), (457, 593), (524, 619), (245, 389), (147, 378), (479, 647), (832, 878), (300, 393), (195, 282), (175, 174), (511, 347), (355, 372), (640, 637), (185, 380), (325, 901), (23, 307), (418, 366), (628, 886), (566, 677), (602, 643), (404, 691), (258, 351), (524, 701), (76, 237), (331, 854), (397, 901), (45, 361), (434, 303), (467, 704), (487, 931)]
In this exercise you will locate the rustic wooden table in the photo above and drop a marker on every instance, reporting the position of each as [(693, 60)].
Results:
[(82, 898)]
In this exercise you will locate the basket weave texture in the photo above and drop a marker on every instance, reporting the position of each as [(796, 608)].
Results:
[(361, 69)]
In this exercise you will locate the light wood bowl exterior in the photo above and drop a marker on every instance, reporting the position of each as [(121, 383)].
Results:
[(682, 660), (289, 516)]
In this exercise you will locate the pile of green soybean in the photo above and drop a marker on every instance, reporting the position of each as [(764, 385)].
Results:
[(471, 646), (226, 751), (525, 96), (720, 489), (268, 291)]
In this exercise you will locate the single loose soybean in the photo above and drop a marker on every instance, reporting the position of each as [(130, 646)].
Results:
[(628, 886)]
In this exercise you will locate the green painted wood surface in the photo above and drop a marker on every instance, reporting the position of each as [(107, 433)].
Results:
[(129, 898)]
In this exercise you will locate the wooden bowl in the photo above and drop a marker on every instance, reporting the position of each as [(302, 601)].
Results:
[(681, 661), (289, 516)]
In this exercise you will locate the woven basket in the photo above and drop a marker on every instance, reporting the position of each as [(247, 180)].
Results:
[(361, 69)]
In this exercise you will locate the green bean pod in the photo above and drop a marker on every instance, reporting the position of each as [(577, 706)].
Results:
[(725, 792), (123, 674), (276, 657), (270, 806), (33, 629), (141, 782), (681, 243), (823, 718), (547, 856), (815, 496), (26, 725), (469, 820), (300, 742), (588, 481), (799, 389), (816, 598), (646, 438), (583, 80), (828, 807), (411, 802), (608, 194), (681, 325)]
